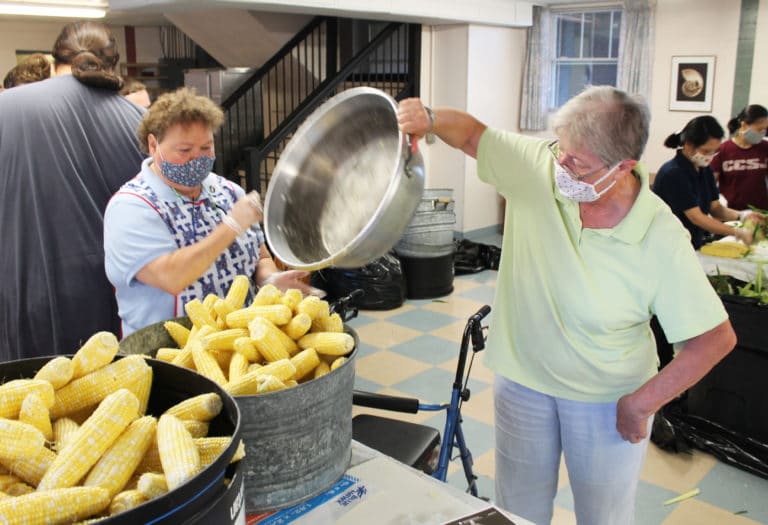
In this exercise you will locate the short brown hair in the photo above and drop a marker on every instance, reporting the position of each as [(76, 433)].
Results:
[(182, 106), (32, 69), (131, 85)]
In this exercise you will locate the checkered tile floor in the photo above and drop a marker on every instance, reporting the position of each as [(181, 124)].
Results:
[(411, 351)]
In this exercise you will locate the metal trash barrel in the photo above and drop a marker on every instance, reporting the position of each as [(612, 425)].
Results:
[(430, 233), (426, 249)]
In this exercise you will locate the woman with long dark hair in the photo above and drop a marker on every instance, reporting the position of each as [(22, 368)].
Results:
[(741, 165), (686, 183)]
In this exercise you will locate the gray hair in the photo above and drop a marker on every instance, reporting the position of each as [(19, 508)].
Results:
[(607, 121)]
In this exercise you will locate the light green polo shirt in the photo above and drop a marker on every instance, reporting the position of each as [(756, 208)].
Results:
[(572, 306)]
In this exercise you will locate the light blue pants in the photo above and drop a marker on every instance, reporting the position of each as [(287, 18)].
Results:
[(533, 429)]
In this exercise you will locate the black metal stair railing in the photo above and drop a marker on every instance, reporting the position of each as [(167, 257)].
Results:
[(255, 108), (264, 112), (388, 62)]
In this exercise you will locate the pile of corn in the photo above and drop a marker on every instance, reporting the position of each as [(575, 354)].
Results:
[(730, 249), (279, 341), (76, 443)]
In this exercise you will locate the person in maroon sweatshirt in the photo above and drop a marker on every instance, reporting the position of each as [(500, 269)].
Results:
[(741, 165)]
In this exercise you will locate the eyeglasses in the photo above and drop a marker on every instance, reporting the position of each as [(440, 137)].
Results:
[(554, 149)]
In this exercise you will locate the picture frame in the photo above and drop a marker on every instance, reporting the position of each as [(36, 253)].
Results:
[(692, 83)]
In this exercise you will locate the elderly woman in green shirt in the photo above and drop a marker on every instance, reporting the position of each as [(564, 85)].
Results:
[(589, 255)]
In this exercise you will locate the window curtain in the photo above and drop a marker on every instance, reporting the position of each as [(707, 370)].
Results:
[(534, 103), (636, 46)]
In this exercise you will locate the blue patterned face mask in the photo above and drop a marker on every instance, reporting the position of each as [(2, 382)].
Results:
[(190, 173)]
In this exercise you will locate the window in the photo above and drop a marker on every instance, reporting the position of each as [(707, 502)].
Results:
[(586, 51)]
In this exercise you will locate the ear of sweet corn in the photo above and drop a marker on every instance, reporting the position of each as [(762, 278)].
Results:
[(291, 298), (244, 346), (224, 339), (206, 365), (211, 448), (94, 387), (268, 383), (18, 439), (267, 294), (142, 388), (244, 385), (152, 485), (167, 354), (314, 307), (338, 362), (203, 407), (328, 343), (278, 314), (298, 326), (6, 480), (12, 394), (30, 468), (118, 463), (282, 369), (199, 314), (70, 504), (178, 453), (34, 412), (333, 323), (178, 332), (58, 372), (322, 369), (125, 501), (151, 460), (197, 429), (19, 489), (305, 361), (238, 366), (237, 292), (730, 249), (95, 436), (271, 342), (184, 358), (64, 429), (98, 351), (208, 301)]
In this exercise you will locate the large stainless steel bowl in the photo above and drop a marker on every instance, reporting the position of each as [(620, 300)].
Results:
[(346, 187)]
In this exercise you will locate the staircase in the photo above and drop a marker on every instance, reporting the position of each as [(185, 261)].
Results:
[(327, 56)]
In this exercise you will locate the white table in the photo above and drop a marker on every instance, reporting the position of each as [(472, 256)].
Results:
[(378, 490)]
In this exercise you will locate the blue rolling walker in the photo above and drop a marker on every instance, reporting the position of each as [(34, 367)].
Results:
[(418, 445)]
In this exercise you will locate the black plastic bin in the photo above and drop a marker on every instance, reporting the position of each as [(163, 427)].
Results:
[(428, 277), (733, 393), (210, 497)]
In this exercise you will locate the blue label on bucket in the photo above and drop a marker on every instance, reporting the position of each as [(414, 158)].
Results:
[(290, 514)]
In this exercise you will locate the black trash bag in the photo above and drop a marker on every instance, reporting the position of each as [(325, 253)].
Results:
[(665, 436), (473, 257), (730, 447), (382, 282)]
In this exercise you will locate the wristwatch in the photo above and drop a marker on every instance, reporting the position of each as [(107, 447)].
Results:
[(430, 136)]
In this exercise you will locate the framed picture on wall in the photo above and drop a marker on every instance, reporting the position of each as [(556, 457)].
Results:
[(692, 83)]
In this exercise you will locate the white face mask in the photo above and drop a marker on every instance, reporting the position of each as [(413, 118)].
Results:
[(577, 190), (701, 160)]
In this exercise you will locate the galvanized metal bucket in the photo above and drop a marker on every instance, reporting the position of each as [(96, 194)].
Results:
[(430, 233), (298, 442)]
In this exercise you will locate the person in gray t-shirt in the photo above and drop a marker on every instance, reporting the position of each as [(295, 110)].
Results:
[(66, 145)]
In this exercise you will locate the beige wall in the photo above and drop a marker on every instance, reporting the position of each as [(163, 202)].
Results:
[(691, 27), (759, 89), (479, 69), (19, 34)]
